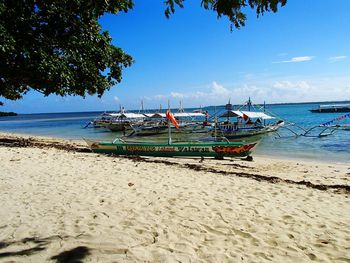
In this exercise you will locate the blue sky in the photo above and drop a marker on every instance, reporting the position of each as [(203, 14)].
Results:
[(301, 53)]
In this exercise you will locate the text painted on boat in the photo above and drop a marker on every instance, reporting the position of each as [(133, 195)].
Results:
[(162, 149)]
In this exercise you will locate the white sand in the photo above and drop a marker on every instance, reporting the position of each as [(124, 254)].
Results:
[(115, 209)]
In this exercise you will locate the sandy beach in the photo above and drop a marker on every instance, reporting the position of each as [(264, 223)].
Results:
[(59, 204)]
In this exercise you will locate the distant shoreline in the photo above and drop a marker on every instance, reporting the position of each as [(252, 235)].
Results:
[(292, 103), (192, 108), (6, 114)]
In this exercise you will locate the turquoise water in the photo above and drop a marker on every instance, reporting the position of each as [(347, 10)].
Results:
[(334, 148)]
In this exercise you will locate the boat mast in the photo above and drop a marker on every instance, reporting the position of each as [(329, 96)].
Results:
[(249, 103), (229, 108), (169, 128), (264, 111), (215, 123)]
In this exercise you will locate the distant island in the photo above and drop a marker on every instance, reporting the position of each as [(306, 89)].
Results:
[(4, 114)]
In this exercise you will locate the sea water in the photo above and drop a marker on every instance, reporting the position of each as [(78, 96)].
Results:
[(335, 147)]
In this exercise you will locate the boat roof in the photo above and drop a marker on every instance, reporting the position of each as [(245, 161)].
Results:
[(189, 114), (178, 115), (149, 115), (131, 115), (158, 115), (250, 114), (112, 114)]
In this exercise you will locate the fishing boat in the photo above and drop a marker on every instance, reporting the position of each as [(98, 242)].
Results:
[(246, 123), (156, 124), (170, 149), (332, 108), (124, 121), (199, 149), (103, 120), (116, 121)]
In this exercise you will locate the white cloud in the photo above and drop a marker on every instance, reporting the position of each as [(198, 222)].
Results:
[(275, 90), (177, 95), (116, 99), (288, 85), (336, 59), (296, 59), (219, 90)]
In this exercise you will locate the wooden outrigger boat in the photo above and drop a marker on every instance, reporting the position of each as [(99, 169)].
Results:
[(246, 124), (170, 149), (198, 149)]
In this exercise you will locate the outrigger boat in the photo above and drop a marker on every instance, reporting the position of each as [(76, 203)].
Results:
[(247, 123), (117, 121), (199, 149), (156, 124), (170, 149)]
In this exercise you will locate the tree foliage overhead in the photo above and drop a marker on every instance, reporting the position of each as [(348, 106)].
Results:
[(58, 46), (232, 9)]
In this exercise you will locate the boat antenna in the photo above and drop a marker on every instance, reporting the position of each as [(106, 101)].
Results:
[(228, 106), (249, 103)]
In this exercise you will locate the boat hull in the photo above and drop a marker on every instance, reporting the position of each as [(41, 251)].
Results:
[(330, 110), (119, 126), (210, 149), (247, 132)]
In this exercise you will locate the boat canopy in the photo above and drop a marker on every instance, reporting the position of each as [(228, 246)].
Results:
[(117, 115), (250, 114), (178, 115), (131, 115), (158, 115), (189, 114), (148, 115)]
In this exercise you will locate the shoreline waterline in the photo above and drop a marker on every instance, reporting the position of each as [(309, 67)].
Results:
[(334, 148)]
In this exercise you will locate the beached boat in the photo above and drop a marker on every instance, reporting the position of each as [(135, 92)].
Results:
[(199, 149), (332, 108), (170, 149)]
